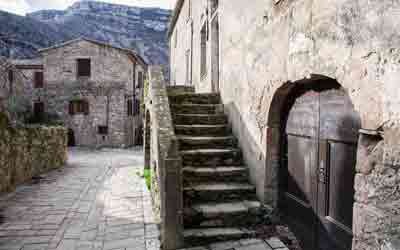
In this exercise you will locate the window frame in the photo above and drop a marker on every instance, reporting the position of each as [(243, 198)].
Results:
[(81, 71), (203, 50), (102, 130), (38, 84), (78, 107), (38, 109)]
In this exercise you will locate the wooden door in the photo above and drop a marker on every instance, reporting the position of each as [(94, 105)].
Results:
[(320, 152)]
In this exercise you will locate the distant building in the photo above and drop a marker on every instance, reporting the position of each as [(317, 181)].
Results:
[(93, 87)]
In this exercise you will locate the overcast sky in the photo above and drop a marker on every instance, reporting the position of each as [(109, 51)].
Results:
[(21, 7)]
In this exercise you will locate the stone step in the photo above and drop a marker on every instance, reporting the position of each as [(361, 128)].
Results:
[(181, 89), (215, 174), (202, 142), (204, 98), (197, 108), (204, 236), (212, 157), (200, 119), (225, 214), (203, 130), (219, 192)]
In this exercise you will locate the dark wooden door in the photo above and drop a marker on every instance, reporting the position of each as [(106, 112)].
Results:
[(320, 153)]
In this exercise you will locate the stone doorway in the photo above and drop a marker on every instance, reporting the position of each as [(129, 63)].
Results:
[(316, 134), (71, 138)]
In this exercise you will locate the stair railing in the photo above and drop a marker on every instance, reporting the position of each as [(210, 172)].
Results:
[(165, 161)]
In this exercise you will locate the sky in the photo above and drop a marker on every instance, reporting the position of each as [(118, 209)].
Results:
[(21, 7)]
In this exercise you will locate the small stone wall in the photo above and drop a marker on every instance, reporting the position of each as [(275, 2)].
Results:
[(28, 151), (377, 200)]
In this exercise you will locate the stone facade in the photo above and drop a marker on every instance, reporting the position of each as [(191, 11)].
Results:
[(254, 54), (111, 92), (28, 151), (14, 100)]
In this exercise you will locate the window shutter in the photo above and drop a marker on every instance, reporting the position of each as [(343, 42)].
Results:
[(10, 76), (84, 67), (85, 107), (71, 108), (38, 79)]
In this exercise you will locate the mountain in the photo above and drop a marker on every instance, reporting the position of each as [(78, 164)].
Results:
[(141, 29)]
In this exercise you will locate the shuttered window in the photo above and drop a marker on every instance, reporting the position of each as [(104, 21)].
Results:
[(130, 107), (102, 130), (203, 47), (38, 80), (79, 107), (140, 79), (83, 67), (11, 76), (38, 110)]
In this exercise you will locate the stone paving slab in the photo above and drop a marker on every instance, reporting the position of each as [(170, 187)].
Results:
[(245, 244), (97, 202)]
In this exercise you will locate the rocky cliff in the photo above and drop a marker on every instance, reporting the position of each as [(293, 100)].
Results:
[(142, 29)]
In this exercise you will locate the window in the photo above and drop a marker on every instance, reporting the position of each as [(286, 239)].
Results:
[(102, 130), (38, 80), (83, 67), (140, 79), (130, 107), (203, 56), (10, 80), (187, 59), (136, 107), (11, 76), (38, 110), (176, 37), (189, 9), (213, 6), (78, 107)]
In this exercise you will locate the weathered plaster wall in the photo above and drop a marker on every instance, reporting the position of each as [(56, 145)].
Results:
[(264, 45), (29, 151)]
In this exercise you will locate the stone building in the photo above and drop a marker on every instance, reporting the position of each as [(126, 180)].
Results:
[(95, 89), (13, 98), (311, 91)]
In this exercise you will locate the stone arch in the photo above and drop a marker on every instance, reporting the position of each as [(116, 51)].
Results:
[(281, 104), (276, 116), (147, 140)]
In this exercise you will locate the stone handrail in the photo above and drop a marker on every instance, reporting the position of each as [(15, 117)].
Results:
[(165, 161)]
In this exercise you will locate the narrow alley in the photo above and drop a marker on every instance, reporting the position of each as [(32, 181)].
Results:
[(99, 201)]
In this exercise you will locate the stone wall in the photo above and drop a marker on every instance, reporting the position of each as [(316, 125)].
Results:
[(162, 157), (265, 47), (28, 151), (107, 91)]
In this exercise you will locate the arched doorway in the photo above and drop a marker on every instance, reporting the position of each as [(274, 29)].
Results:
[(71, 138), (318, 134)]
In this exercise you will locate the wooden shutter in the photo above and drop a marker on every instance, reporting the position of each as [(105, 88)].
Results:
[(130, 108), (71, 108), (140, 80), (84, 68), (11, 76), (85, 107), (38, 79), (38, 109)]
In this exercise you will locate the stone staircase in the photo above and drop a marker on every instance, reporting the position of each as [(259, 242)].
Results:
[(219, 202)]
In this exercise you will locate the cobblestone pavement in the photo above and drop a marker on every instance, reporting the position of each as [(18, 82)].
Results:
[(97, 202)]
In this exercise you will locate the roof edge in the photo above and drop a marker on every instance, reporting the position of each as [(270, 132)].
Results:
[(128, 51), (175, 16)]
